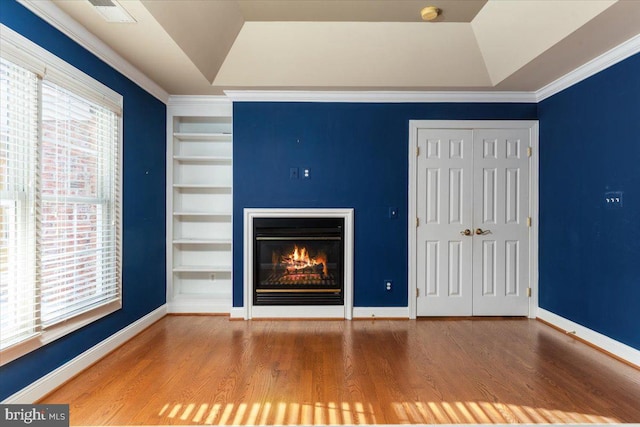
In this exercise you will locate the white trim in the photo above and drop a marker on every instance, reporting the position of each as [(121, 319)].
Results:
[(50, 13), (414, 125), (298, 312), (237, 313), (534, 212), (345, 311), (198, 306), (597, 339), (381, 312), (44, 385), (378, 96), (198, 106), (26, 53), (596, 65)]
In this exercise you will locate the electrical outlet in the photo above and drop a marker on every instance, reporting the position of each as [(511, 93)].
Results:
[(293, 173), (306, 173), (388, 285)]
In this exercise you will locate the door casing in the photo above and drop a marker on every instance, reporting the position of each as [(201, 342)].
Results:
[(414, 125)]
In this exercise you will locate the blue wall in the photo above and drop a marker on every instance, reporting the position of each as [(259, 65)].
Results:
[(590, 254), (144, 281), (358, 157)]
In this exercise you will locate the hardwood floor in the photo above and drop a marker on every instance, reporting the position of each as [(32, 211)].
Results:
[(200, 370)]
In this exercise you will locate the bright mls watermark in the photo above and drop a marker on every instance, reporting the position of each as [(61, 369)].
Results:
[(34, 415)]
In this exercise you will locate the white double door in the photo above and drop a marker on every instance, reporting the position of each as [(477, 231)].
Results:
[(473, 231)]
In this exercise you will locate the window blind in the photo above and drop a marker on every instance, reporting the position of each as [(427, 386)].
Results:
[(78, 239), (60, 192), (19, 304)]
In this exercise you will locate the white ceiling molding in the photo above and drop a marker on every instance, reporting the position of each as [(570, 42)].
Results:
[(50, 13), (600, 63), (378, 96)]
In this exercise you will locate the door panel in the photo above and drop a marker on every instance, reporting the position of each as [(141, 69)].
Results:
[(444, 208), (500, 255)]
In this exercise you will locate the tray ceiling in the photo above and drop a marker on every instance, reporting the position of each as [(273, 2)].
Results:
[(202, 47)]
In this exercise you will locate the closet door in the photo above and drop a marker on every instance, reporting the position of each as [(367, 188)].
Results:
[(472, 235)]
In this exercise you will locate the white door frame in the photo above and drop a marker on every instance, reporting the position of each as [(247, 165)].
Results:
[(414, 125)]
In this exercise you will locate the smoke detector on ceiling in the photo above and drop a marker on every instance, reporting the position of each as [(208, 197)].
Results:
[(112, 11)]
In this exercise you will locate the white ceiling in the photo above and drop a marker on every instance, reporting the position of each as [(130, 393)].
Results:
[(202, 47)]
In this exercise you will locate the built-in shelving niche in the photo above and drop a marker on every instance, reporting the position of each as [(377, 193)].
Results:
[(200, 209)]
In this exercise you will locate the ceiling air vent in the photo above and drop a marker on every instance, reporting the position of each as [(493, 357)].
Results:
[(112, 11)]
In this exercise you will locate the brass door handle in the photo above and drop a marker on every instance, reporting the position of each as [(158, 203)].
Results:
[(466, 232), (480, 231)]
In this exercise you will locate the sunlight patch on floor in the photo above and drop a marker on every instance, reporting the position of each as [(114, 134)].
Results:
[(349, 413)]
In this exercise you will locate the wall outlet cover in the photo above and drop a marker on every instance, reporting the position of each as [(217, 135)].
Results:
[(613, 199)]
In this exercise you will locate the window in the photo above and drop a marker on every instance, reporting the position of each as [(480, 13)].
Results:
[(59, 198)]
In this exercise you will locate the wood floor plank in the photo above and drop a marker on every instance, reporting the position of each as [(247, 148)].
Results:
[(199, 370)]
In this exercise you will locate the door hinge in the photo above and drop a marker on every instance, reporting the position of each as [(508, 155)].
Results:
[(529, 151), (417, 151), (417, 222), (529, 221), (529, 292), (417, 292)]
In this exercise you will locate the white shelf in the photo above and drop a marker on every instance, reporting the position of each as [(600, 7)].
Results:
[(202, 242), (202, 269), (203, 137), (199, 209), (202, 159), (202, 186), (202, 214)]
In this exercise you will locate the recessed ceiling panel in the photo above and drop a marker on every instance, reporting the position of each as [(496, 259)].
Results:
[(353, 54), (357, 10), (204, 30), (512, 33)]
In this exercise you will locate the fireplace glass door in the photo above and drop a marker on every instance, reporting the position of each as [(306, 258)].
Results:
[(298, 261)]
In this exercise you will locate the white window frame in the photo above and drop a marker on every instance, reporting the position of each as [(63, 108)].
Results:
[(21, 51)]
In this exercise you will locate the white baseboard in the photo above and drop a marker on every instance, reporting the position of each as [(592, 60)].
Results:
[(597, 339), (382, 312), (237, 313), (59, 376)]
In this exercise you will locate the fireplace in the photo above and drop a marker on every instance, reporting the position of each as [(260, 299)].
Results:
[(298, 261)]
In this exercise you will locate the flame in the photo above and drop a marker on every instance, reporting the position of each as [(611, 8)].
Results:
[(299, 260)]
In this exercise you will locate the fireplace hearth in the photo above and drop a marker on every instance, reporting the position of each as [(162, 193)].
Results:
[(298, 261)]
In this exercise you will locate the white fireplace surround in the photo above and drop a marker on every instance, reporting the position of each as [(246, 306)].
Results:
[(304, 311)]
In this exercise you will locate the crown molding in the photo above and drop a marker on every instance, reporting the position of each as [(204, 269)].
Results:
[(596, 65), (379, 96), (53, 15)]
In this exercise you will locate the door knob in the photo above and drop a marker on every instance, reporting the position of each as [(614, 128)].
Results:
[(466, 232), (480, 231)]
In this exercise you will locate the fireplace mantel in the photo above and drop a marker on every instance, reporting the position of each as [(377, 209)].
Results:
[(252, 311)]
